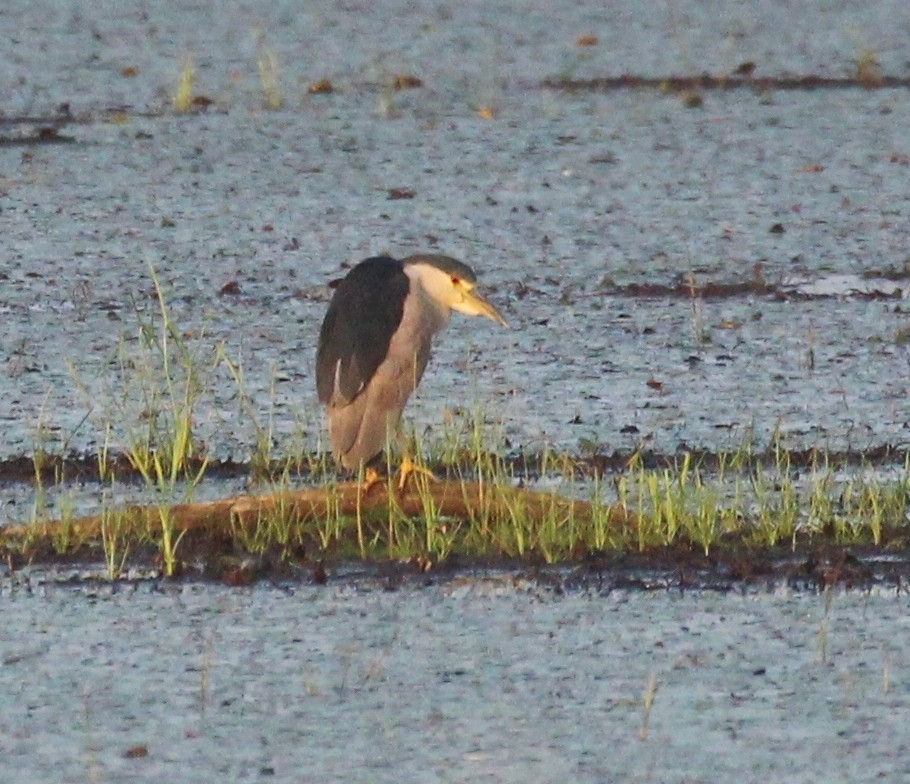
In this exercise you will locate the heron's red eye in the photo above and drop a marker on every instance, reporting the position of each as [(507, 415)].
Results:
[(455, 280)]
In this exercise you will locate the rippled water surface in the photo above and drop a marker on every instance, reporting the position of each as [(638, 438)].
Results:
[(674, 276)]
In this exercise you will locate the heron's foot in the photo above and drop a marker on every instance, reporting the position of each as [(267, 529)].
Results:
[(408, 468), (371, 478)]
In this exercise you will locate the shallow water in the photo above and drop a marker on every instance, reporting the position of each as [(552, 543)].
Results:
[(477, 679), (562, 202), (557, 200)]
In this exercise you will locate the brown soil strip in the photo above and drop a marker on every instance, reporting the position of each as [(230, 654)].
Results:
[(220, 519), (55, 469), (212, 528), (58, 469), (679, 569)]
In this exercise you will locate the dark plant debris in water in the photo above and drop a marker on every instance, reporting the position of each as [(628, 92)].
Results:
[(41, 135), (45, 129), (722, 290), (707, 460), (28, 130), (686, 84)]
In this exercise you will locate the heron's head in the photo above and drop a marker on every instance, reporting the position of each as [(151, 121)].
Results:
[(452, 284)]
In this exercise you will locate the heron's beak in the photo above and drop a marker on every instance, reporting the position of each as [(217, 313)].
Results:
[(475, 305)]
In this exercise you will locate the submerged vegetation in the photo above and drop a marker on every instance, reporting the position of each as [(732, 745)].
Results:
[(542, 508)]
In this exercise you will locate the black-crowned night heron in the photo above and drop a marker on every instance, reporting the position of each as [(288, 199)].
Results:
[(375, 344)]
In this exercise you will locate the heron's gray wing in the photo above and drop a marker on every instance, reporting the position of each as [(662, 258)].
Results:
[(364, 313)]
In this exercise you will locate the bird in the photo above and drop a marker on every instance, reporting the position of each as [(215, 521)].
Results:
[(375, 343)]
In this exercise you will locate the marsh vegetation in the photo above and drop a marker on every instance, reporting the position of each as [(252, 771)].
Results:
[(488, 503)]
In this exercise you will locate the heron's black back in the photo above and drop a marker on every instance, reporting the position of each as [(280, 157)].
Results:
[(365, 311)]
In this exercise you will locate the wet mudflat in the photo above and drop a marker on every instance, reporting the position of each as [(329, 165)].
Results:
[(676, 276)]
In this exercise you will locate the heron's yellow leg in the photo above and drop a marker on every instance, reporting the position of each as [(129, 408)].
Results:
[(409, 467)]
